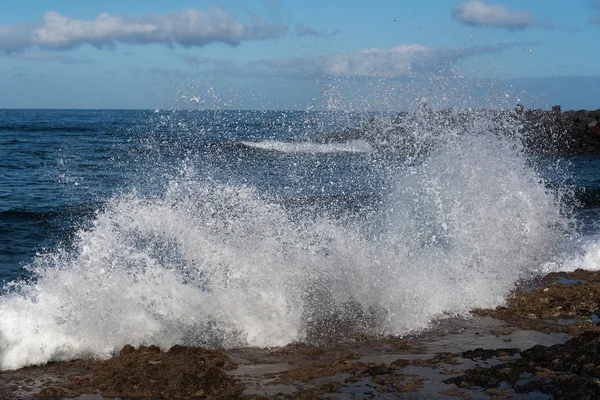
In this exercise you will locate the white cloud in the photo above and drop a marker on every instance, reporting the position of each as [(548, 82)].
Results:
[(402, 61), (376, 63), (188, 28), (479, 13), (406, 60)]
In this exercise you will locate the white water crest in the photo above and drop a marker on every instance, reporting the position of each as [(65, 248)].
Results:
[(584, 254), (353, 146), (220, 264)]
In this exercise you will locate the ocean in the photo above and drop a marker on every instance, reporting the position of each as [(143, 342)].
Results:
[(253, 228)]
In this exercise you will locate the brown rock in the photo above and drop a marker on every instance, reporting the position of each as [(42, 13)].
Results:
[(53, 392), (127, 349), (547, 308)]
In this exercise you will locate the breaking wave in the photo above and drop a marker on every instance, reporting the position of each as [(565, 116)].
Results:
[(353, 146), (224, 265)]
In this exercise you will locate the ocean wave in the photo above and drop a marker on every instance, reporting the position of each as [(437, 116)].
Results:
[(219, 264), (353, 146)]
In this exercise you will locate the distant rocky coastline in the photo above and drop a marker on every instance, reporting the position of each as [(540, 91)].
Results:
[(558, 132), (542, 132)]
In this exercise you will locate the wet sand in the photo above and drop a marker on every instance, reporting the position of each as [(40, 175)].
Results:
[(543, 343)]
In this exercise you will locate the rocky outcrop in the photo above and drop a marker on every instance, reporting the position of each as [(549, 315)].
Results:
[(569, 132), (542, 132), (584, 129)]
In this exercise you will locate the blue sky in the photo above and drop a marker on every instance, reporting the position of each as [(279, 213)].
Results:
[(302, 54)]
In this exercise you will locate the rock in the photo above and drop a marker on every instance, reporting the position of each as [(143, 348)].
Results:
[(127, 349), (564, 371), (584, 118), (592, 124), (149, 349), (483, 354), (147, 372), (584, 113), (53, 392)]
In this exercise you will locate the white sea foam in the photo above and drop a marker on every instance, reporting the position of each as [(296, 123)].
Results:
[(352, 146), (583, 254), (208, 263)]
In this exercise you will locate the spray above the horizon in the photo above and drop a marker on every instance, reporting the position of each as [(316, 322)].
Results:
[(461, 217)]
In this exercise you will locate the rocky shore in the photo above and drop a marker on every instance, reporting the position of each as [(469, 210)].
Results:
[(544, 343)]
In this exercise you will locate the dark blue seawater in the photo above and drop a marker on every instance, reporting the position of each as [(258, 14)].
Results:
[(58, 167)]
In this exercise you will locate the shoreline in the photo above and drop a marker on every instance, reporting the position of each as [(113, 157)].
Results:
[(553, 132), (497, 353)]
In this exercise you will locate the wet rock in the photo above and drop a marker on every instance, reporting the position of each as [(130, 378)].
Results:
[(570, 307), (381, 369), (127, 349), (330, 387), (309, 372), (399, 383), (148, 373), (560, 302), (53, 392), (484, 354), (565, 371)]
